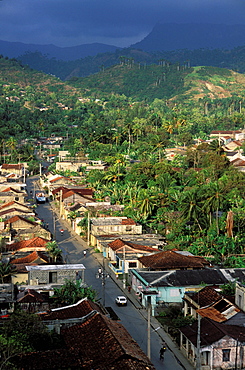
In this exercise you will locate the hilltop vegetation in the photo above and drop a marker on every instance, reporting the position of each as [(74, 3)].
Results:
[(231, 59)]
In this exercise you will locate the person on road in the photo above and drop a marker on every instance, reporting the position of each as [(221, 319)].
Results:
[(162, 351), (62, 231), (84, 253)]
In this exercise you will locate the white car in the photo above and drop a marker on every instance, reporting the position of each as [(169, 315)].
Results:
[(121, 300)]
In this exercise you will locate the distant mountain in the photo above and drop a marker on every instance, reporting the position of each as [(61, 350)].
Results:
[(16, 49), (166, 37)]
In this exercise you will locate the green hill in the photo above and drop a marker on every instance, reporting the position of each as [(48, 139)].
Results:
[(163, 81)]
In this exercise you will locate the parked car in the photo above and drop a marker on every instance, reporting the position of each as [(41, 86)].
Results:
[(121, 300)]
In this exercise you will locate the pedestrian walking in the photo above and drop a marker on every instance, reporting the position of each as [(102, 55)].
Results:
[(62, 231), (84, 253), (162, 351)]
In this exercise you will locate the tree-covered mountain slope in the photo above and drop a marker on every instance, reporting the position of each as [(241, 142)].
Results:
[(163, 81)]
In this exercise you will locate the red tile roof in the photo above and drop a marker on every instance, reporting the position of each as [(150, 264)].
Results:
[(31, 296), (205, 297), (6, 166), (105, 342), (11, 189), (172, 260), (128, 221), (98, 343), (32, 257), (12, 203), (18, 218), (238, 162), (81, 191), (119, 244), (77, 310), (10, 210), (33, 243), (57, 178)]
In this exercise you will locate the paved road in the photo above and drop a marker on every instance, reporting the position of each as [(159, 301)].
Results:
[(133, 319)]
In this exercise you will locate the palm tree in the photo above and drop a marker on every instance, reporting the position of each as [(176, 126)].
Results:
[(11, 143), (191, 210), (54, 251), (147, 202), (215, 197), (6, 271)]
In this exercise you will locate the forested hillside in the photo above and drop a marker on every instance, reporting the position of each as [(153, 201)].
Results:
[(33, 103)]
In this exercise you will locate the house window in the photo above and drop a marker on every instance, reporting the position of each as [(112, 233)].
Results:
[(205, 357), (16, 198), (53, 277), (226, 355), (128, 228), (239, 300), (132, 264), (184, 342)]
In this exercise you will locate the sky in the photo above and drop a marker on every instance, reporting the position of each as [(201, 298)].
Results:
[(114, 22)]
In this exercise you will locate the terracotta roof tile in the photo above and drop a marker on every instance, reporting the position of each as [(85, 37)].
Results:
[(17, 218), (119, 243), (205, 297), (9, 189), (13, 203), (57, 178), (30, 243), (77, 310), (105, 341), (128, 221), (6, 166), (32, 257), (30, 296), (172, 260), (106, 345)]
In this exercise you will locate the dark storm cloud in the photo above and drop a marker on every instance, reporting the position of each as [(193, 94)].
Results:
[(117, 22)]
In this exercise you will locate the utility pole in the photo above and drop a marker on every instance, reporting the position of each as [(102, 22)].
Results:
[(198, 363), (149, 327), (124, 278), (88, 231), (103, 275), (61, 194)]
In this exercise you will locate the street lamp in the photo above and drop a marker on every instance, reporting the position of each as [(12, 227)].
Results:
[(103, 275)]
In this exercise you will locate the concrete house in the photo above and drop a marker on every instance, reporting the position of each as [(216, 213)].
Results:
[(54, 274), (221, 346), (124, 255), (10, 195), (112, 225)]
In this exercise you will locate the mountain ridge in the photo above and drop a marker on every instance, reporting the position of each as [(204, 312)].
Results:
[(68, 53), (192, 36)]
